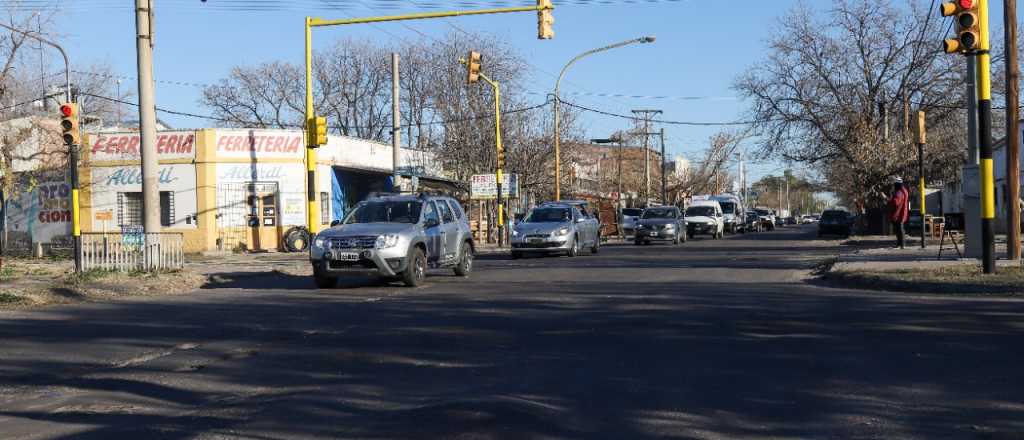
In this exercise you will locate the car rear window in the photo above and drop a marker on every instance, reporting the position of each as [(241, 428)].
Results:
[(631, 212), (832, 215)]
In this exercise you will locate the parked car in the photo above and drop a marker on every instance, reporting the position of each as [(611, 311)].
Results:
[(767, 217), (705, 217), (556, 227), (400, 236), (732, 209), (806, 219), (628, 217), (836, 222), (752, 221), (664, 223)]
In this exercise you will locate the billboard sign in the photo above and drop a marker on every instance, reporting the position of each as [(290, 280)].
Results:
[(485, 187)]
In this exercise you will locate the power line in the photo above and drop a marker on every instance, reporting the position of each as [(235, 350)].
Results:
[(338, 128), (656, 121)]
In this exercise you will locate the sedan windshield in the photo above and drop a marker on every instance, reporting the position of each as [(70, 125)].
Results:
[(632, 212), (763, 212), (386, 212), (700, 211), (658, 213), (549, 215)]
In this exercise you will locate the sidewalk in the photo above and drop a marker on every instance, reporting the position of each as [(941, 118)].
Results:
[(872, 263)]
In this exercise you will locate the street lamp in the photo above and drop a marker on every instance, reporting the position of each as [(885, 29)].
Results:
[(558, 150)]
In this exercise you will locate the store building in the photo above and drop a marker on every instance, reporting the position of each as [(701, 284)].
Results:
[(226, 189)]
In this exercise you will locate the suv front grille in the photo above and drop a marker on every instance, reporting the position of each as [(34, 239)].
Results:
[(361, 242), (537, 236)]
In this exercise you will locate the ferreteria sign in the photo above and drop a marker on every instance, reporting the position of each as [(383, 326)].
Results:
[(126, 146), (260, 144)]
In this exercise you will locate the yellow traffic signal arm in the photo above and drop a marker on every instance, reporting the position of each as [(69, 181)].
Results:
[(319, 22)]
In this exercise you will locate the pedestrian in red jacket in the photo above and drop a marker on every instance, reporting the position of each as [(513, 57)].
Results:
[(899, 211)]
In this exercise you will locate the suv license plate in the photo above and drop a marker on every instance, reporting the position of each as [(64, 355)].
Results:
[(346, 256), (536, 240)]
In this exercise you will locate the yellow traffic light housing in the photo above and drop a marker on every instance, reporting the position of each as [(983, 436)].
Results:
[(545, 20), (69, 123), (316, 128), (473, 66), (968, 31), (501, 159)]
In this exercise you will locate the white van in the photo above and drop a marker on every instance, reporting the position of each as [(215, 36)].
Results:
[(705, 217), (732, 208)]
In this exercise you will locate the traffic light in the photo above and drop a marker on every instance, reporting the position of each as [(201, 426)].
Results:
[(69, 123), (545, 20), (967, 26), (317, 129), (473, 66), (501, 159)]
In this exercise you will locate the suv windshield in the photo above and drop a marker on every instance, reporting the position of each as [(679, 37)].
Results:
[(632, 212), (549, 215), (728, 207), (386, 212), (658, 213), (699, 211)]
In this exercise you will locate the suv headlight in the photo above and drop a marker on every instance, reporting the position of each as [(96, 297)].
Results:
[(386, 241), (670, 226), (562, 231), (320, 242), (515, 232)]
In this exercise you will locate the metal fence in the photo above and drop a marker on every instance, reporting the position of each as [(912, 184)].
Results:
[(130, 252)]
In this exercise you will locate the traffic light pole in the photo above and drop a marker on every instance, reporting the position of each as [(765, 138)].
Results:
[(988, 205), (312, 22), (500, 158), (73, 150)]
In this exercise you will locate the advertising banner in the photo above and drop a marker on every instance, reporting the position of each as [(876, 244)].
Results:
[(41, 213), (485, 187)]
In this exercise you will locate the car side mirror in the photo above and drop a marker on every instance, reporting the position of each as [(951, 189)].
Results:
[(431, 223), (335, 223)]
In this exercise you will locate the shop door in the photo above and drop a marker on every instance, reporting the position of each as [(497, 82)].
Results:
[(264, 217)]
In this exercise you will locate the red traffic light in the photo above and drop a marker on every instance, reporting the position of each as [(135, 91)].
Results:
[(67, 110), (966, 4)]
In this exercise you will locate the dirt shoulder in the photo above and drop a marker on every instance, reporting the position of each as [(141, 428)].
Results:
[(33, 283), (965, 279)]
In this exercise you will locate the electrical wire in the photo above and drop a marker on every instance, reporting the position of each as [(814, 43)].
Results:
[(338, 128), (655, 121)]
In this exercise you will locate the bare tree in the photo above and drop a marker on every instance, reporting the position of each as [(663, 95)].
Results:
[(835, 92)]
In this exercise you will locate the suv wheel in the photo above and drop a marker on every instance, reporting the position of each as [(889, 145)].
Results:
[(417, 270), (465, 265), (574, 250)]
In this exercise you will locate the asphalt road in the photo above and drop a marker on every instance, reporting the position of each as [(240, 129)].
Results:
[(711, 339)]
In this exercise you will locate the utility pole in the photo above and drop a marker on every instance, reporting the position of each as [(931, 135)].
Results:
[(647, 161), (396, 122), (921, 140), (147, 123), (664, 178), (1012, 131)]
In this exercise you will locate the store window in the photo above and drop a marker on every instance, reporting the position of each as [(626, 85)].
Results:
[(325, 209), (129, 208)]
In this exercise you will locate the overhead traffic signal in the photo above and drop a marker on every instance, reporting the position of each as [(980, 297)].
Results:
[(317, 129), (545, 20), (968, 32), (473, 66), (69, 123)]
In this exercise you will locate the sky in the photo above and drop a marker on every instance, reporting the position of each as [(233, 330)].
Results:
[(701, 47)]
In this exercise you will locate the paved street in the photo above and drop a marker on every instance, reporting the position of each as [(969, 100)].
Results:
[(711, 339)]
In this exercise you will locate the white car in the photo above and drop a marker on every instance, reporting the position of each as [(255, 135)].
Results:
[(705, 217)]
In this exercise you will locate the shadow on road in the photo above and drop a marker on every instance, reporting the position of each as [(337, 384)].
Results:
[(532, 358)]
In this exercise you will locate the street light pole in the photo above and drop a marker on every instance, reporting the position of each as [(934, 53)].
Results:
[(557, 126)]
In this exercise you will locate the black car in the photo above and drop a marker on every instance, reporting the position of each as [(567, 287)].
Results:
[(836, 222)]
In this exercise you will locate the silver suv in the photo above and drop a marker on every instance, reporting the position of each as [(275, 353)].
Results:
[(395, 236)]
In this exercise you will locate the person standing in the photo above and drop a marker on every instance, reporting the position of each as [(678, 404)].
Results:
[(899, 211)]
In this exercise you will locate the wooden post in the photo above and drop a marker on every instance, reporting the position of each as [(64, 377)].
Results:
[(1012, 131)]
